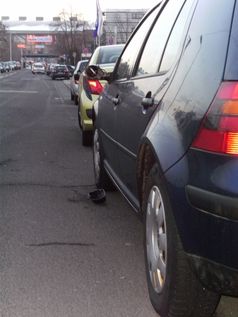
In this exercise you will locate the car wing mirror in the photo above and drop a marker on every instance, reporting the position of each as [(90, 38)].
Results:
[(76, 76), (96, 72)]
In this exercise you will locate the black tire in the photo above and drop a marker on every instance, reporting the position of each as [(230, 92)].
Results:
[(76, 100), (173, 288), (102, 179), (71, 96), (87, 138), (79, 117)]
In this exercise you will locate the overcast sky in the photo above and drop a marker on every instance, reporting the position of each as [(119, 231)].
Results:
[(50, 8)]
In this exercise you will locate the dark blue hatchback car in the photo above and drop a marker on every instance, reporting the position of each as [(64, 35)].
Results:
[(166, 135)]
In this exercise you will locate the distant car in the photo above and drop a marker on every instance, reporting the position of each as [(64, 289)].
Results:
[(6, 66), (2, 68), (60, 72), (74, 80), (166, 134), (50, 67), (38, 68), (90, 89)]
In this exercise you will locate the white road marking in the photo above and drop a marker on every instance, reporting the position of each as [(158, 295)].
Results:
[(19, 91)]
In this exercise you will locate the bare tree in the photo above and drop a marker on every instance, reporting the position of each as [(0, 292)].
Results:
[(3, 42), (74, 35)]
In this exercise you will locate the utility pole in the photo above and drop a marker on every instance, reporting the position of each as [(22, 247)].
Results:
[(10, 45)]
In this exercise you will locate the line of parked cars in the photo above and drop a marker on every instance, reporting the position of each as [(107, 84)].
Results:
[(9, 66), (54, 70), (85, 91), (165, 133)]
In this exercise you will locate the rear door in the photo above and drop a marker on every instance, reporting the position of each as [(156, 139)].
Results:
[(141, 94), (108, 102)]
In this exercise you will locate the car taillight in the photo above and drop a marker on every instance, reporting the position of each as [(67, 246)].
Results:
[(219, 130), (95, 86)]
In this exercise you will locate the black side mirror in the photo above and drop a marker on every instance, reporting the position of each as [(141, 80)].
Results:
[(76, 77)]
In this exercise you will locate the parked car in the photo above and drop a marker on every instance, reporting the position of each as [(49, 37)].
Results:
[(90, 89), (6, 66), (74, 80), (166, 134), (60, 72), (50, 67), (38, 68), (71, 69), (2, 68)]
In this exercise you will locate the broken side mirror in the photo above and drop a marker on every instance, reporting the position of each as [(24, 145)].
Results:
[(96, 72)]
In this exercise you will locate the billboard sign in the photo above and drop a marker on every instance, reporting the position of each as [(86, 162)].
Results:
[(33, 39), (21, 45)]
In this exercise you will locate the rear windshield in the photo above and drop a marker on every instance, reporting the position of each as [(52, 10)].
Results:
[(231, 72), (109, 55), (60, 67)]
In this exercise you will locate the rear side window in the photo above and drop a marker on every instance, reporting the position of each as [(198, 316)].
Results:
[(129, 56), (174, 42), (231, 72), (151, 57)]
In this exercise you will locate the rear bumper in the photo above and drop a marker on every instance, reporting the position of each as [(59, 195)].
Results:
[(214, 276), (214, 203), (204, 201)]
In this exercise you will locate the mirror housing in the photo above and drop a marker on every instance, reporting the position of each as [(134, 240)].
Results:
[(76, 77), (96, 72)]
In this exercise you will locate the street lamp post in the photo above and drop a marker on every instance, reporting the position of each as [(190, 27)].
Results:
[(10, 45)]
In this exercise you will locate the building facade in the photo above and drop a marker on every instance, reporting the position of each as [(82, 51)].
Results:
[(66, 39), (119, 24)]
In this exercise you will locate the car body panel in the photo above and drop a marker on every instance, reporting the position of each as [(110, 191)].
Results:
[(105, 56), (74, 84), (202, 186), (38, 68)]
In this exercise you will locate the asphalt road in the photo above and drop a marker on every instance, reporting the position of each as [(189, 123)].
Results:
[(60, 254)]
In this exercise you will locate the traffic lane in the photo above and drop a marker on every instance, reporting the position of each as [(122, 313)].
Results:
[(66, 256), (62, 255), (24, 99)]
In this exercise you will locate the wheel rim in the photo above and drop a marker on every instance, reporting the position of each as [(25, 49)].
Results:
[(96, 154), (156, 239)]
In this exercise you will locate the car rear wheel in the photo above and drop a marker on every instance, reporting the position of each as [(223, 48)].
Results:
[(75, 100), (79, 117), (86, 138), (101, 178), (173, 288)]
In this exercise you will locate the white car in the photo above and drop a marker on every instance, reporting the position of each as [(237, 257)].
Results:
[(74, 80), (38, 68)]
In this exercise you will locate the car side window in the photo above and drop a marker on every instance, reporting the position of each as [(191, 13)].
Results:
[(174, 42), (129, 56), (154, 48)]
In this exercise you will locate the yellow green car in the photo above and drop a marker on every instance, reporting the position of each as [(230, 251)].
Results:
[(90, 89)]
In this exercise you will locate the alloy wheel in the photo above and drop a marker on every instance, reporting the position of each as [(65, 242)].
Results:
[(96, 154), (156, 239)]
